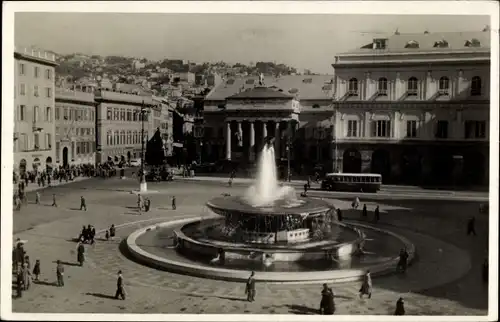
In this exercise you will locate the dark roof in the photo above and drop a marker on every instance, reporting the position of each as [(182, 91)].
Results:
[(429, 42), (260, 92), (305, 87)]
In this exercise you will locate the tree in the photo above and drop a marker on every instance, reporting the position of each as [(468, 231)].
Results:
[(155, 152)]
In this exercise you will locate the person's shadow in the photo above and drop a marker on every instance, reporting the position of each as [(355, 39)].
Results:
[(67, 263), (301, 309), (102, 296)]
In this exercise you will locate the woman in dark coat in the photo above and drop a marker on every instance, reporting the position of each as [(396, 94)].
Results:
[(366, 287), (36, 269), (327, 305), (400, 307), (80, 254)]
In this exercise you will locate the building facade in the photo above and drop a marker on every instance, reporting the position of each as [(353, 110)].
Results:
[(119, 125), (34, 126), (414, 108), (75, 127)]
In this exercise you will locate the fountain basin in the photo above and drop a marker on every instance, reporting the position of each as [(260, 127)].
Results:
[(189, 239), (140, 247)]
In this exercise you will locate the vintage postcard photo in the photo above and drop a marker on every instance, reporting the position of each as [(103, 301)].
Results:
[(250, 161)]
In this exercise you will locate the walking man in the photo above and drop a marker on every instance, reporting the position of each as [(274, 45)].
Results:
[(339, 214), (365, 211), (366, 287), (403, 261), (83, 204), (54, 202), (120, 292), (174, 204), (471, 226), (37, 198), (60, 273), (80, 253), (250, 288), (376, 218), (327, 305)]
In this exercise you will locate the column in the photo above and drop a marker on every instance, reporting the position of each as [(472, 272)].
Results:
[(251, 146), (277, 139), (264, 129), (228, 140), (240, 134)]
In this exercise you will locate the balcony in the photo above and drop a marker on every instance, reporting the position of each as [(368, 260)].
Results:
[(36, 127)]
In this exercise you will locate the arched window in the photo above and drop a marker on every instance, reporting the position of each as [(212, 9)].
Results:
[(48, 114), (444, 85), (116, 138), (109, 138), (412, 86), (382, 86), (412, 44), (353, 87), (475, 86), (129, 137)]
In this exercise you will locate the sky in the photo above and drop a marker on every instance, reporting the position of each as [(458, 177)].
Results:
[(301, 41)]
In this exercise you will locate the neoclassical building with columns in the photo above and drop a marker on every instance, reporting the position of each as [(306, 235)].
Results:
[(412, 107)]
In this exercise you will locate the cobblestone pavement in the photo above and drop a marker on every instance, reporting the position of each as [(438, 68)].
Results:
[(89, 289)]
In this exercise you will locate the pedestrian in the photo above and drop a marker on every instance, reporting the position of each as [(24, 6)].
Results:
[(366, 287), (80, 253), (19, 281), (139, 202), (107, 235), (54, 202), (471, 226), (339, 214), (14, 259), (112, 231), (83, 204), (147, 204), (250, 288), (174, 205), (305, 189), (365, 211), (92, 235), (485, 270), (403, 261), (120, 291), (27, 261), (376, 217), (60, 274), (36, 270), (327, 305), (400, 307), (37, 198), (26, 276)]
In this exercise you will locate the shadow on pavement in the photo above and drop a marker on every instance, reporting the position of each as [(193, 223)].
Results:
[(67, 263), (102, 296), (301, 309), (45, 283)]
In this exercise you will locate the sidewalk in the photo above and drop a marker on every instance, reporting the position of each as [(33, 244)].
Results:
[(34, 186)]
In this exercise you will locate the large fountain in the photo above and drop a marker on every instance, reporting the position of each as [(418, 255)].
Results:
[(268, 229)]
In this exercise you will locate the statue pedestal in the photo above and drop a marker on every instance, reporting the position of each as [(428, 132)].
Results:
[(144, 187)]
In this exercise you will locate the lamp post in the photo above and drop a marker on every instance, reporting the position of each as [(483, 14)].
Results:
[(334, 135), (201, 150), (288, 159), (143, 113)]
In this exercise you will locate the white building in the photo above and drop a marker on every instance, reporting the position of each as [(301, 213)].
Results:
[(415, 107), (34, 82)]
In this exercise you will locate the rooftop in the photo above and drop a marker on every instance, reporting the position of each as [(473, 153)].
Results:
[(304, 87), (426, 42), (260, 92)]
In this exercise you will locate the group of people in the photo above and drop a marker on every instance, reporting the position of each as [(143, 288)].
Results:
[(144, 204), (87, 236), (21, 268)]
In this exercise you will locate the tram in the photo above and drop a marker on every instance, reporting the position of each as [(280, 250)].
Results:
[(352, 182)]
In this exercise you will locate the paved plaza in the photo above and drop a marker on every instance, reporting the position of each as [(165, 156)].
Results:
[(445, 279)]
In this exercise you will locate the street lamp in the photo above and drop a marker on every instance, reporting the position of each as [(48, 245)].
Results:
[(288, 159), (334, 135), (144, 111), (201, 150)]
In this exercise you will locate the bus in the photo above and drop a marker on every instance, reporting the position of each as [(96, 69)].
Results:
[(352, 182)]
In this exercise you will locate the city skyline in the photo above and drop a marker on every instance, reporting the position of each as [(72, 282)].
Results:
[(300, 41)]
